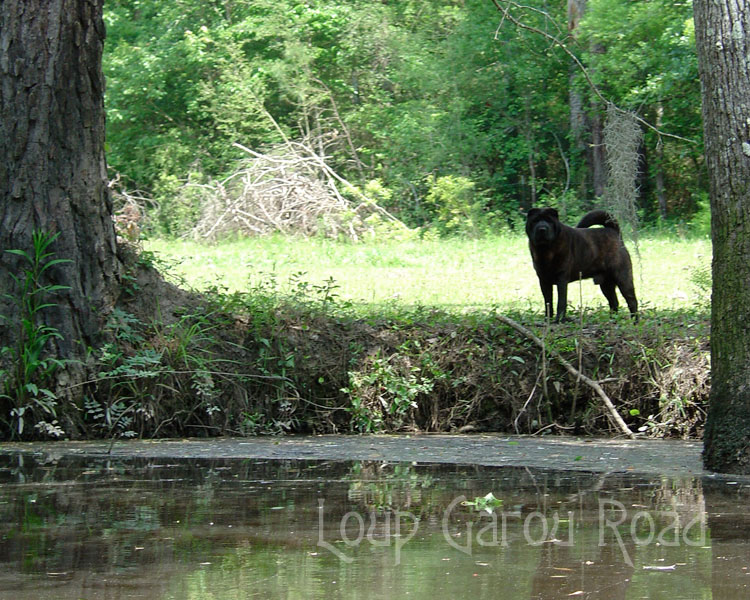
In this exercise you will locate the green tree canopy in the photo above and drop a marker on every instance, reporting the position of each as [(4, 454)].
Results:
[(403, 92)]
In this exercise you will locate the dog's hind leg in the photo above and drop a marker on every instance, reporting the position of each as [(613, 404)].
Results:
[(608, 289), (628, 292)]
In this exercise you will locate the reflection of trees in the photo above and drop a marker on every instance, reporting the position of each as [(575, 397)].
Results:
[(154, 520), (67, 514), (729, 526), (387, 486), (610, 569)]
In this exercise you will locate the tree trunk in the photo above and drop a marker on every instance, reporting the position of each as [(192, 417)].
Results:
[(52, 169), (596, 154), (576, 8), (586, 123), (661, 196), (722, 31)]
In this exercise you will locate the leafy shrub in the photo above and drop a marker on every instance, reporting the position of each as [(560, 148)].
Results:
[(384, 393), (459, 209), (700, 277), (28, 385), (700, 223), (179, 206), (567, 205)]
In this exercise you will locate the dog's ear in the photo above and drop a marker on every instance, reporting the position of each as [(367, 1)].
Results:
[(553, 212), (532, 213)]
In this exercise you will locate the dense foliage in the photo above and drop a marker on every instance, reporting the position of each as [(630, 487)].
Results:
[(461, 117)]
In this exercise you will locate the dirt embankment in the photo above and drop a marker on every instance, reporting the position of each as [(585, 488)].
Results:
[(246, 364)]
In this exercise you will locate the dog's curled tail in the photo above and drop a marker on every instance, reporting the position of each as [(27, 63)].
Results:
[(599, 217)]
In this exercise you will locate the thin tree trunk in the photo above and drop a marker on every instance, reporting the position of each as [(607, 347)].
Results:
[(530, 157), (586, 122), (722, 29), (661, 195), (52, 166), (575, 10), (597, 155)]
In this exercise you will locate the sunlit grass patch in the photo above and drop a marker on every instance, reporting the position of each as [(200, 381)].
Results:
[(455, 274)]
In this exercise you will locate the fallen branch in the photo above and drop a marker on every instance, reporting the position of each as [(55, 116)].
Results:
[(573, 371)]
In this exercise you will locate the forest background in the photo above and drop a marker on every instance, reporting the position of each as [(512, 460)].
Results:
[(430, 126), (446, 115)]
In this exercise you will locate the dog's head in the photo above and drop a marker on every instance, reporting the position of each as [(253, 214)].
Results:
[(542, 226)]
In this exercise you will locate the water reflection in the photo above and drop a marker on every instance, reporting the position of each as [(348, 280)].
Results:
[(235, 529)]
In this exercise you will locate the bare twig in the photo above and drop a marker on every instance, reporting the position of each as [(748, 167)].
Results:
[(573, 371), (523, 408)]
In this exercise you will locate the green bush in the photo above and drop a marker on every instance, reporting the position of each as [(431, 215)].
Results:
[(459, 208), (178, 206)]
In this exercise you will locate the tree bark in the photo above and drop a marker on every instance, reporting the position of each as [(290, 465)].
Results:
[(52, 166), (722, 31)]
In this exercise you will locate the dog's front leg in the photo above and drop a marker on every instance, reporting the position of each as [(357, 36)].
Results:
[(562, 299), (547, 293)]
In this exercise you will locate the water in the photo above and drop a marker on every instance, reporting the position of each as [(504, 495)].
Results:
[(75, 528)]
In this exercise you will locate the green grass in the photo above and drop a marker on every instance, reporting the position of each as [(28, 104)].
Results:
[(455, 274)]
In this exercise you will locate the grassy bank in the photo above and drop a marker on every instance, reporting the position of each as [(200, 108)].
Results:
[(312, 336), (246, 363), (402, 336), (451, 274)]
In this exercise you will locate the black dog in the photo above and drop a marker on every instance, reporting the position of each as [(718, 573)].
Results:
[(562, 254)]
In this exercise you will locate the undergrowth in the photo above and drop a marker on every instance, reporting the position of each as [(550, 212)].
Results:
[(295, 358), (26, 380)]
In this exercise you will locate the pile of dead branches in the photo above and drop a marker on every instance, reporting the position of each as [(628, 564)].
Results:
[(290, 190), (129, 208)]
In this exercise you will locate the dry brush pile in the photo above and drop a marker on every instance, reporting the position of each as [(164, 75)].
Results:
[(290, 189)]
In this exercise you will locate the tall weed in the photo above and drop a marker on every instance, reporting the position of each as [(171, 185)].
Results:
[(27, 384)]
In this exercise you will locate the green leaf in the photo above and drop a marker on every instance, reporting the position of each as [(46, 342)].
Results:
[(20, 253), (487, 503)]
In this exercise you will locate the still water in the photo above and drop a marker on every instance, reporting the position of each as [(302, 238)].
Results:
[(75, 528)]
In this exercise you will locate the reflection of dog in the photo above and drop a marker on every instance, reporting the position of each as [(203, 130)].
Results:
[(562, 254)]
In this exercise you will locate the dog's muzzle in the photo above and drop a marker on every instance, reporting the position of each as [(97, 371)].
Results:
[(543, 233)]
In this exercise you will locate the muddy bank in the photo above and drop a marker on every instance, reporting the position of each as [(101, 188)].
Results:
[(262, 363), (664, 457)]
